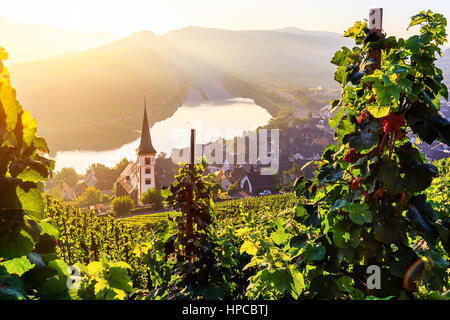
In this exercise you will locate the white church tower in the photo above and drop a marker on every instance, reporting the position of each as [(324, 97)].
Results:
[(145, 159)]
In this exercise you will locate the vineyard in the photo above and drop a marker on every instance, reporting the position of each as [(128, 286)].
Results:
[(374, 201), (148, 220)]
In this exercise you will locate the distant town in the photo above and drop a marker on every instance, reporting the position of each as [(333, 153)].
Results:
[(298, 145)]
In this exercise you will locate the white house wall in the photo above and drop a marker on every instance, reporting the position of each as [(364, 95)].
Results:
[(142, 175)]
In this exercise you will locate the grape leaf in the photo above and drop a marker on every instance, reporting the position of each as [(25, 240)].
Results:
[(17, 265)]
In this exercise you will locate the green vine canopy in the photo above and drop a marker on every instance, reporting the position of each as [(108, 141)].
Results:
[(366, 203)]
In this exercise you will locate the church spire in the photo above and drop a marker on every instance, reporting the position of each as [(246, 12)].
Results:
[(146, 146)]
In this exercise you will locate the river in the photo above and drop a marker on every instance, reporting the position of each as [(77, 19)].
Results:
[(226, 118)]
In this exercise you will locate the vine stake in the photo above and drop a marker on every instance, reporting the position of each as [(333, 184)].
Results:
[(189, 227)]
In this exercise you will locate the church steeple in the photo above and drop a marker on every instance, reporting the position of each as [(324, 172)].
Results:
[(146, 162), (145, 146)]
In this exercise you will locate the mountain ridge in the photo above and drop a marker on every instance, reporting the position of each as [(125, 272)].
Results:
[(32, 42), (106, 83)]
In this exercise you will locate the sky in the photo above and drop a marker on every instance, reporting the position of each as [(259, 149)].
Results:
[(123, 17)]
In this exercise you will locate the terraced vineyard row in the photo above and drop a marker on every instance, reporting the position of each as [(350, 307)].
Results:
[(225, 209), (277, 202), (148, 219)]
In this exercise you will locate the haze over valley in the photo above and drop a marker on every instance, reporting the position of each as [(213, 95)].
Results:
[(93, 99), (89, 95)]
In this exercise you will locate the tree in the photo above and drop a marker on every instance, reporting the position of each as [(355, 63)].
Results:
[(121, 206), (282, 119), (57, 193), (96, 166), (286, 114), (89, 197), (121, 165), (106, 198), (106, 176), (366, 205), (276, 123), (289, 176), (232, 188), (152, 196), (68, 175), (278, 183)]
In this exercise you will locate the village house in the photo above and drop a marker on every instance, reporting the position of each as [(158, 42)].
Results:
[(89, 181), (127, 182), (223, 180), (253, 182), (235, 174), (67, 191)]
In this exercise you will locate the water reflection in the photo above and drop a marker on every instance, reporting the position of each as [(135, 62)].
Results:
[(223, 119)]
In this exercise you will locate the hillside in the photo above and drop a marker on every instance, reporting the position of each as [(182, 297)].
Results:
[(93, 99), (298, 31), (28, 42), (262, 54)]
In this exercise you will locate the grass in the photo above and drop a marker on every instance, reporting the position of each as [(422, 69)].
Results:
[(153, 218)]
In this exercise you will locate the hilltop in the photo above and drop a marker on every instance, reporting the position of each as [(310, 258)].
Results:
[(92, 99), (29, 42)]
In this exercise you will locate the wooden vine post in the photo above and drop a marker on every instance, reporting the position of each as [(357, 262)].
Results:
[(375, 30), (189, 226)]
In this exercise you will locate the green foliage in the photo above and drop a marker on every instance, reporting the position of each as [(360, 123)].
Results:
[(23, 238), (106, 176), (202, 267), (106, 198), (56, 192), (282, 119), (267, 239), (289, 176), (233, 188), (369, 189), (104, 280), (85, 238), (68, 175), (153, 197), (438, 192), (22, 167), (268, 99), (192, 194), (121, 165), (89, 197), (373, 200), (121, 206), (149, 220), (29, 264)]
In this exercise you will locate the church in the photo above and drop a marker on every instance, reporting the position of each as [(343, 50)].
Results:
[(139, 176)]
